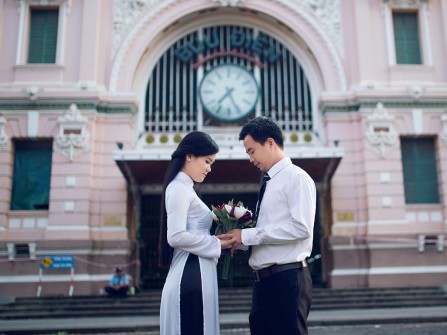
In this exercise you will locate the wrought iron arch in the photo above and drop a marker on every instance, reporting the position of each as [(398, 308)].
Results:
[(172, 104)]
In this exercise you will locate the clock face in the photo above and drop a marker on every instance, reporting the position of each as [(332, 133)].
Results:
[(228, 92)]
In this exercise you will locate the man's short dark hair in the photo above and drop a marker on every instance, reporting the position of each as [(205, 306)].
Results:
[(261, 128)]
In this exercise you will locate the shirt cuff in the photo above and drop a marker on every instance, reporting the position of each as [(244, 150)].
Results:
[(248, 236)]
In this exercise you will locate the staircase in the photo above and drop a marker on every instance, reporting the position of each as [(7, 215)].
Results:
[(232, 300)]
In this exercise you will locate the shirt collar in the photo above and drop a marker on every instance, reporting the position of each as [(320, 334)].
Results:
[(184, 178), (279, 166)]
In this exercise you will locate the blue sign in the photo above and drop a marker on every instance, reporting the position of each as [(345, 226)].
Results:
[(56, 262)]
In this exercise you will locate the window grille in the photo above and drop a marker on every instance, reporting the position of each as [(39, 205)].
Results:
[(171, 96)]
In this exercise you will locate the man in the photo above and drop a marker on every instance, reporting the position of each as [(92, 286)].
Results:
[(282, 238), (118, 284)]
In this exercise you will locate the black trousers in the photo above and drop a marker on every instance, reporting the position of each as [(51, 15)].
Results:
[(281, 303), (121, 292), (191, 302)]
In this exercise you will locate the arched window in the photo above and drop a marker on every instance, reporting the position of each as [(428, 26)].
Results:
[(172, 102)]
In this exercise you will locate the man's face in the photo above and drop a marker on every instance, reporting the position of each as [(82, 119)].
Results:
[(261, 155)]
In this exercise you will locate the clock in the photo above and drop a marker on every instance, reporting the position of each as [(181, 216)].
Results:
[(228, 92)]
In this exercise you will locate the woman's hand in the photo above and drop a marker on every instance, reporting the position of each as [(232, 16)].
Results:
[(234, 239), (225, 243)]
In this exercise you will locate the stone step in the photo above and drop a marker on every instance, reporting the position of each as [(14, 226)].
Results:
[(231, 301), (136, 302), (243, 293), (154, 311)]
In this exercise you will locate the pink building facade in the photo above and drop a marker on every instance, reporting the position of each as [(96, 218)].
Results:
[(96, 94)]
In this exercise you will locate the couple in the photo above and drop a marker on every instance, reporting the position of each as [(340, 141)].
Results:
[(281, 240)]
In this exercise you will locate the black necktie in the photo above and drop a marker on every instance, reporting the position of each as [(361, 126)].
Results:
[(265, 179)]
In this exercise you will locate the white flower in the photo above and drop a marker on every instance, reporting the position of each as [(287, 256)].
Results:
[(214, 216), (228, 208), (239, 212)]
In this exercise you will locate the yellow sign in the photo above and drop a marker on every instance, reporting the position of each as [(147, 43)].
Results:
[(345, 216), (46, 262), (112, 220)]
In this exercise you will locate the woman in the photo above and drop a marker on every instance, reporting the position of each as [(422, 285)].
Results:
[(189, 302)]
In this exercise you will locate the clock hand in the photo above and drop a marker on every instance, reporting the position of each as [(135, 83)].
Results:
[(234, 104), (227, 93)]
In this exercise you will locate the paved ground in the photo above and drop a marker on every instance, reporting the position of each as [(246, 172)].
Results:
[(392, 329), (383, 321), (387, 329)]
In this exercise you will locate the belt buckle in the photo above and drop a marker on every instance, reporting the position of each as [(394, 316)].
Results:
[(256, 276)]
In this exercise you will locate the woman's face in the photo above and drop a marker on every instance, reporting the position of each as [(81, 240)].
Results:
[(197, 167)]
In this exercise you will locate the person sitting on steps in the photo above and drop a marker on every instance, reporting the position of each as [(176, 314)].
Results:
[(118, 284)]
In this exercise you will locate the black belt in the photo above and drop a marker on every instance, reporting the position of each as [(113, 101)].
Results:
[(259, 275)]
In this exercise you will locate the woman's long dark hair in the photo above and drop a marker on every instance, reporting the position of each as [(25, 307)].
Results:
[(196, 143)]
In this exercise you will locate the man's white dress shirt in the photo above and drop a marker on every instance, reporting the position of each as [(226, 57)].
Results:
[(284, 231)]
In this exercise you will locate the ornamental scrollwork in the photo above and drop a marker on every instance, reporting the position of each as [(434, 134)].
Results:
[(228, 2), (73, 138), (125, 13), (327, 12), (381, 134)]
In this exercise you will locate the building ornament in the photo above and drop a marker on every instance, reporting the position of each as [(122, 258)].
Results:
[(126, 27), (73, 138), (404, 4), (381, 134), (328, 13), (3, 137), (67, 3), (443, 134), (32, 93), (228, 2), (125, 13)]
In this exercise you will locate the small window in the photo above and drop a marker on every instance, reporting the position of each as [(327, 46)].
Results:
[(43, 36), (32, 173), (22, 250), (406, 38), (419, 169)]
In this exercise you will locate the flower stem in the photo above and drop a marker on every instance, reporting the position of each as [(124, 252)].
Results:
[(226, 265)]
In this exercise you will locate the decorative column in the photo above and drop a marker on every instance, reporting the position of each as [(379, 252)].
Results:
[(443, 134), (3, 137)]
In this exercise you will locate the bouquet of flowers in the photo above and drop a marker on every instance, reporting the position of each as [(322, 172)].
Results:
[(231, 216)]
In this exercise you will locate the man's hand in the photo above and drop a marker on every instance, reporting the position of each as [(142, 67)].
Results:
[(233, 237), (225, 244)]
